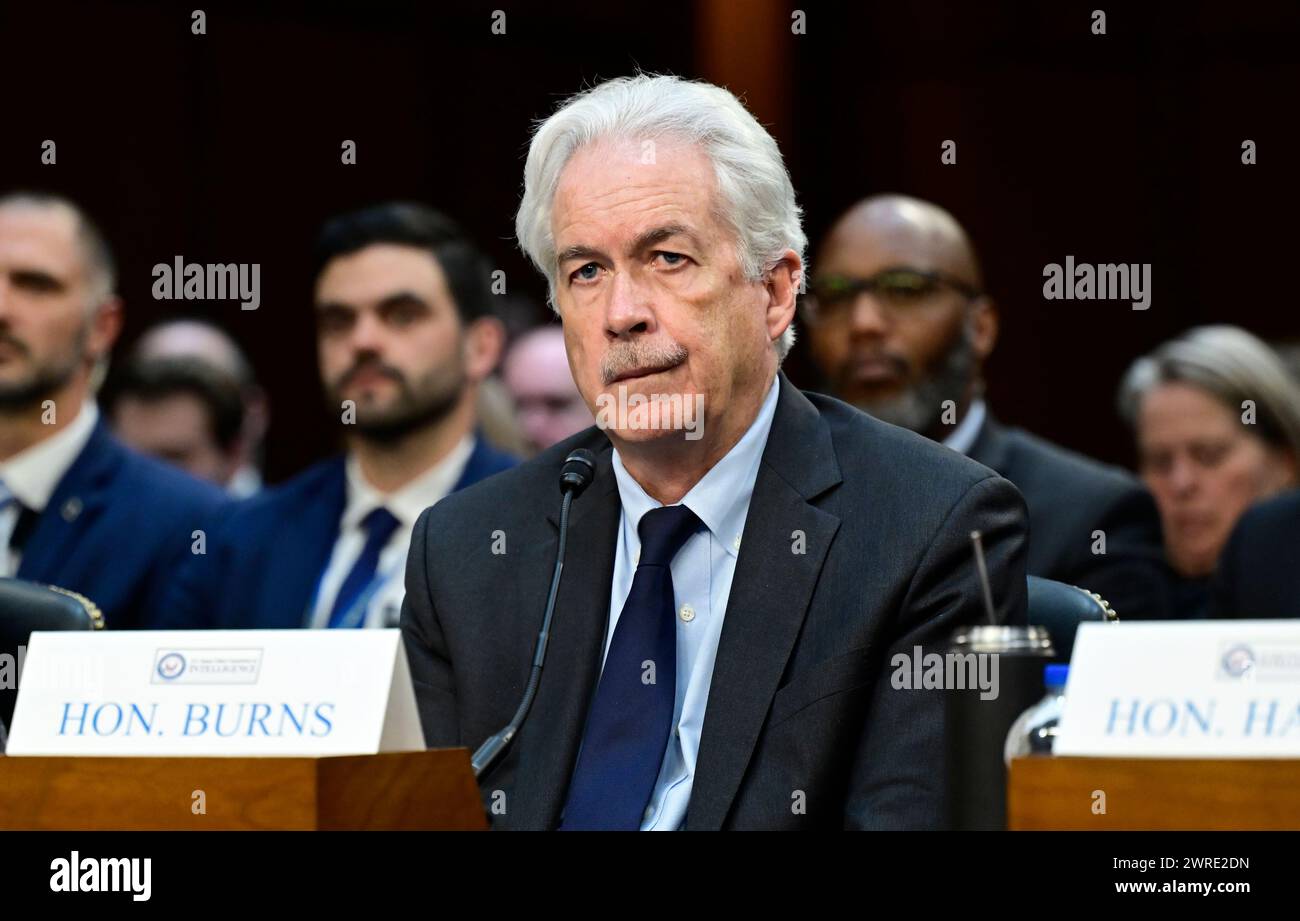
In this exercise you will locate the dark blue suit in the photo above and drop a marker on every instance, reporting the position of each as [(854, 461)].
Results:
[(117, 528), (262, 567)]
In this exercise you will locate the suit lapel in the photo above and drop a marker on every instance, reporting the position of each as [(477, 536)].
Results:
[(482, 463), (301, 550), (75, 502), (770, 593), (316, 526), (548, 743), (769, 597)]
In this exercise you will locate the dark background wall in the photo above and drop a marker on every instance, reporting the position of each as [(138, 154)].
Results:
[(1124, 147)]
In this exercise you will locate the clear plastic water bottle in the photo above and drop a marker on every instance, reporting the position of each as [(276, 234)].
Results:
[(1034, 731)]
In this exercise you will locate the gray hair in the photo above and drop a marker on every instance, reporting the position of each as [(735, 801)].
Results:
[(758, 201), (1230, 365)]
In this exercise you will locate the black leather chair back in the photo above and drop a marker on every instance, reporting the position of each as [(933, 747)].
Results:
[(26, 607), (1060, 608)]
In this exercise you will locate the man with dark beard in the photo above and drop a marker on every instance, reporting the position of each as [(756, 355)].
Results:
[(78, 510), (404, 337), (900, 326)]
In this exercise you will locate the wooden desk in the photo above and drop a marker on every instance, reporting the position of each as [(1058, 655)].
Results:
[(425, 790), (1153, 794)]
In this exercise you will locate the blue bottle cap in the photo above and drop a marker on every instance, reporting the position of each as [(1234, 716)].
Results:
[(1054, 675)]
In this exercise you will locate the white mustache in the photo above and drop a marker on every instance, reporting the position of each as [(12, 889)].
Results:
[(630, 358)]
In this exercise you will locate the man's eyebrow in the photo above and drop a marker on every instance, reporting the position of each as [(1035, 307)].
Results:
[(578, 252), (658, 234), (41, 276), (401, 297), (389, 300), (643, 242)]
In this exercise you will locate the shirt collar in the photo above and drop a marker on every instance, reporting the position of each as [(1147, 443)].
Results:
[(406, 503), (34, 473), (721, 498), (962, 438)]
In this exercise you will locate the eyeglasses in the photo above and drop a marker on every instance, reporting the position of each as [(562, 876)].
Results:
[(831, 296)]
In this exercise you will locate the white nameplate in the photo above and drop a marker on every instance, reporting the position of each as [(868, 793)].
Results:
[(215, 692), (1195, 689)]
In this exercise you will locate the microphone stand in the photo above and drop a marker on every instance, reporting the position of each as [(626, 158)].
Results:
[(578, 472)]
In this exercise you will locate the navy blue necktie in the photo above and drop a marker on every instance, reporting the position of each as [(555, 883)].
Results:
[(632, 713), (379, 526)]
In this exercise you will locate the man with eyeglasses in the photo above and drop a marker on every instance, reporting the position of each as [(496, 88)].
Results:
[(900, 325)]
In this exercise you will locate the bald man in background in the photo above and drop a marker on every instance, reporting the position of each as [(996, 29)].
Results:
[(547, 402), (900, 325)]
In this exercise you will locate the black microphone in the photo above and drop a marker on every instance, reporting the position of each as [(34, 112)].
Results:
[(576, 475)]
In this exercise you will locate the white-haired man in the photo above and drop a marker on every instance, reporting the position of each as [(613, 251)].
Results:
[(737, 585)]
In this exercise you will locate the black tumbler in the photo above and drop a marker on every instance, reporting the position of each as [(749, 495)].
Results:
[(975, 729)]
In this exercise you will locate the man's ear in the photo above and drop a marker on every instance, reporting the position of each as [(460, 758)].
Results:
[(783, 282), (484, 341), (105, 325), (983, 325)]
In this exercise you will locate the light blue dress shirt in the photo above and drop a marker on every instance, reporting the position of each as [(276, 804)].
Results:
[(963, 437), (702, 573)]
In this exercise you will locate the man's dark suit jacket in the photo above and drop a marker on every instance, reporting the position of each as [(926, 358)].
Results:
[(801, 696), (262, 565), (1069, 497), (1259, 571), (116, 529)]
